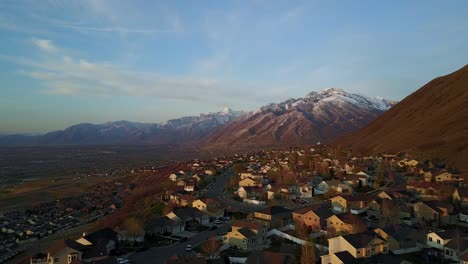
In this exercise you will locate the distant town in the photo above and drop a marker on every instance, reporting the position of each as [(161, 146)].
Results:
[(310, 205)]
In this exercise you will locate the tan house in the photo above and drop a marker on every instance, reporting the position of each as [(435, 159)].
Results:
[(432, 211), (357, 204), (272, 217), (362, 245), (244, 235), (401, 237), (208, 205), (461, 194), (249, 182), (314, 217), (345, 223), (63, 252), (443, 176)]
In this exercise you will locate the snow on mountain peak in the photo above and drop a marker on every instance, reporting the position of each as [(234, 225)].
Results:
[(226, 110)]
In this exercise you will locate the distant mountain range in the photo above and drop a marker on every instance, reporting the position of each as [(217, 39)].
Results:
[(319, 116), (175, 131), (432, 121)]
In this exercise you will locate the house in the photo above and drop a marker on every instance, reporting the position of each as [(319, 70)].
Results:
[(185, 200), (314, 217), (189, 186), (355, 203), (443, 176), (208, 205), (163, 225), (245, 235), (103, 242), (438, 239), (455, 249), (305, 190), (345, 223), (460, 194), (287, 192), (187, 216), (272, 217), (62, 252), (173, 177), (361, 245), (249, 182), (402, 237), (200, 205), (433, 211)]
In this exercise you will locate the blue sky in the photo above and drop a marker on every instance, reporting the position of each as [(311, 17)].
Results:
[(67, 62)]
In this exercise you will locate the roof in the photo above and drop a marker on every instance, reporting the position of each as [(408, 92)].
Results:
[(106, 234), (186, 212), (64, 243), (359, 197), (457, 244), (346, 257), (39, 256), (243, 223), (361, 240), (463, 192), (464, 257), (274, 210), (349, 218), (246, 232)]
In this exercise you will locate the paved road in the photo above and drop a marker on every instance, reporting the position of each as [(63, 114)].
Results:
[(157, 255)]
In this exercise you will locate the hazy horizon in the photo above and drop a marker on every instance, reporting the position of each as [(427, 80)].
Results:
[(65, 62)]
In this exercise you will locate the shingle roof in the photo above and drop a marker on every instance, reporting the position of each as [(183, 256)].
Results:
[(246, 232), (361, 240), (273, 210), (346, 257), (243, 223)]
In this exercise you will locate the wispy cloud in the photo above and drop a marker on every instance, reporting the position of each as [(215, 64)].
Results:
[(61, 74), (45, 44)]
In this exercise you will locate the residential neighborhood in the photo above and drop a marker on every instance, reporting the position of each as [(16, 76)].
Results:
[(289, 203)]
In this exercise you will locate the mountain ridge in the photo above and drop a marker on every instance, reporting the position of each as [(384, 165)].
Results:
[(431, 121), (318, 116)]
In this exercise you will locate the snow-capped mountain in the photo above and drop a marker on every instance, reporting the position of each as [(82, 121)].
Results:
[(175, 131), (318, 116)]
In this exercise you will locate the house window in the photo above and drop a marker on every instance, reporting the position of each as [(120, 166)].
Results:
[(385, 249), (359, 252), (447, 252), (438, 241), (430, 239)]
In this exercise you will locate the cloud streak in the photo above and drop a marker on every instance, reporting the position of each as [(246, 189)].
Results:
[(61, 74)]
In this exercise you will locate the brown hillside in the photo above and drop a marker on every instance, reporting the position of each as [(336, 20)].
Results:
[(432, 121)]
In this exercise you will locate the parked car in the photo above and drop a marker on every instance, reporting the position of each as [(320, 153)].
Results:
[(123, 261), (188, 248), (217, 222)]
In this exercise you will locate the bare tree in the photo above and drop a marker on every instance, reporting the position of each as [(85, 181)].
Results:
[(211, 246), (308, 253), (301, 230)]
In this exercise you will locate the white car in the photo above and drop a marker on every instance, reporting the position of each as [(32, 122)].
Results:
[(188, 248), (123, 261)]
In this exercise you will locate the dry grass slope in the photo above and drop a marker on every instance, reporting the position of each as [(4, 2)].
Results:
[(433, 120)]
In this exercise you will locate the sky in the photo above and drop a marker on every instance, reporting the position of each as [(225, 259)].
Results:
[(69, 62)]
